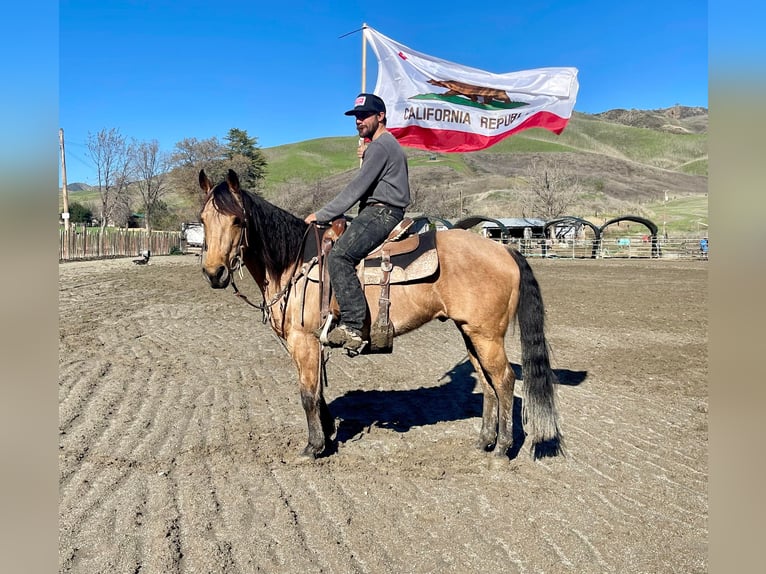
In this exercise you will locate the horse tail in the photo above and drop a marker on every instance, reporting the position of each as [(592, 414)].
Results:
[(539, 413)]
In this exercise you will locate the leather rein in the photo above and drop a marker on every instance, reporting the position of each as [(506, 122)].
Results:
[(283, 294)]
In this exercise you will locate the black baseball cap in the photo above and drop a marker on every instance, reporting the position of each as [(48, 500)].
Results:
[(366, 103)]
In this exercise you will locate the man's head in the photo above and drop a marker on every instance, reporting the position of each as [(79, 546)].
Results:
[(366, 104), (370, 113)]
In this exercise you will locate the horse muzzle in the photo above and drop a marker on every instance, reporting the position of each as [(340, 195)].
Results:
[(219, 277)]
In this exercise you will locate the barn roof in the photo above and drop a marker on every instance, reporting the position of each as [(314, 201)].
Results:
[(516, 222)]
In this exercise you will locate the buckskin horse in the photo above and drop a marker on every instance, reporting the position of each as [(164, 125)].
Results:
[(481, 285)]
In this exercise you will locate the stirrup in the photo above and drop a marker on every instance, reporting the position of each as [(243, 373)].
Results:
[(347, 339), (326, 329), (355, 352)]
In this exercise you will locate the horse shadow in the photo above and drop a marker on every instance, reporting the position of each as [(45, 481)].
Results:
[(401, 410), (564, 377)]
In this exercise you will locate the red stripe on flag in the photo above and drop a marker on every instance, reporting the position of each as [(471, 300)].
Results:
[(458, 141)]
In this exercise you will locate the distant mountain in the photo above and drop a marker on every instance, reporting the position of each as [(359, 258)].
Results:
[(678, 119), (75, 187)]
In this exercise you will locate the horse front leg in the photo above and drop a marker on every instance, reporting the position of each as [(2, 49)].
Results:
[(306, 353)]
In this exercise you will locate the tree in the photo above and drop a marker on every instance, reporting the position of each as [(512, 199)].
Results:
[(244, 152), (110, 154), (437, 199), (191, 155), (552, 192), (163, 217), (79, 213), (150, 167), (241, 154)]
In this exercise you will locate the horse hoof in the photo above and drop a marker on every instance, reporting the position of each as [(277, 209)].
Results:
[(484, 445), (310, 453)]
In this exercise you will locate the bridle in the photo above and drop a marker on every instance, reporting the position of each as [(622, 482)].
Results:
[(238, 261), (237, 264)]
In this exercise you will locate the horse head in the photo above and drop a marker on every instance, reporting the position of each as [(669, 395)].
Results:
[(225, 222)]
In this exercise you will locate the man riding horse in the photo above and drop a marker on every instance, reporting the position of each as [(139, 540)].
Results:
[(382, 189)]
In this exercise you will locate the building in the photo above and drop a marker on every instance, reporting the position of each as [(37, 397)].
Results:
[(513, 228)]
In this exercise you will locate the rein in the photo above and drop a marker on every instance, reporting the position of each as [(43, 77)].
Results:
[(298, 271), (282, 294), (237, 265)]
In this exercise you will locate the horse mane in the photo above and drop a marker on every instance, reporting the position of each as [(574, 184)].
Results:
[(273, 234)]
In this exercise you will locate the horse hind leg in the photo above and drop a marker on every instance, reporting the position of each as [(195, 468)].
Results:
[(505, 409), (488, 434), (489, 350)]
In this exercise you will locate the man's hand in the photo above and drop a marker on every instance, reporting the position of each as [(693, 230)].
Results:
[(311, 218), (360, 150)]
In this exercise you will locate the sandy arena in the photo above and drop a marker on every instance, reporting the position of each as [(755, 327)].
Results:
[(180, 428)]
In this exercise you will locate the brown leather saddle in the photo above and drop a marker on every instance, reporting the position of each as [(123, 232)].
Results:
[(399, 259)]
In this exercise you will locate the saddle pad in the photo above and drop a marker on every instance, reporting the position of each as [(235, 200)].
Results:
[(418, 264)]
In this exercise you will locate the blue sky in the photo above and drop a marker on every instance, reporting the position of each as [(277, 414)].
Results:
[(174, 70)]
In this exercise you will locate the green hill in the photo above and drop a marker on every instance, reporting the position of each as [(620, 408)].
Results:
[(686, 152), (623, 161)]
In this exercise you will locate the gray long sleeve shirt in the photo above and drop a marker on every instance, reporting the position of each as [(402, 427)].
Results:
[(383, 177)]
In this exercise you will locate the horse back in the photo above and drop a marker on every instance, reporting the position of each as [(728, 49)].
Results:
[(465, 254), (477, 282)]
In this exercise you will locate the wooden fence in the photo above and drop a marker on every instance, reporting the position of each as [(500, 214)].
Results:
[(91, 243), (94, 243)]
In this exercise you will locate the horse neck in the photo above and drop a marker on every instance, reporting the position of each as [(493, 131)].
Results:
[(275, 241)]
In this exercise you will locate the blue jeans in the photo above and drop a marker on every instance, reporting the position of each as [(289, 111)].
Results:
[(365, 232)]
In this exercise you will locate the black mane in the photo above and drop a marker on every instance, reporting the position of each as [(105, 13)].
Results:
[(273, 234)]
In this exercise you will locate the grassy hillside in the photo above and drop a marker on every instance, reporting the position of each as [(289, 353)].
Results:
[(310, 160), (319, 158), (624, 162)]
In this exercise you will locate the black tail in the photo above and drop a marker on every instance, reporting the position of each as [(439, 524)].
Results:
[(539, 413)]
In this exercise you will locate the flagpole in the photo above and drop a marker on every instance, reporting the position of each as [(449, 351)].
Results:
[(364, 76), (364, 59)]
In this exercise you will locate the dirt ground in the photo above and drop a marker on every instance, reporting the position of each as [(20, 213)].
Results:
[(180, 425)]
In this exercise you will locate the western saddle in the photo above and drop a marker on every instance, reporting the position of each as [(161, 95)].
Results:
[(399, 258)]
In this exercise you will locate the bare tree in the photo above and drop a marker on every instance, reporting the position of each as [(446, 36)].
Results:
[(297, 196), (552, 192), (110, 153), (150, 167), (191, 155), (122, 209), (415, 196), (436, 200)]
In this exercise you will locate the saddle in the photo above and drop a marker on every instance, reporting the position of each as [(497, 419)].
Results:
[(399, 259)]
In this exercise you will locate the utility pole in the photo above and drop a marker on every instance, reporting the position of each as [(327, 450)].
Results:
[(65, 213)]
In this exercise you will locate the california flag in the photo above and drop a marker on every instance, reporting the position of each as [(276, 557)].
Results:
[(436, 105)]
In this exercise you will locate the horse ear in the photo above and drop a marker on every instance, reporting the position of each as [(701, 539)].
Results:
[(204, 182), (233, 180)]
